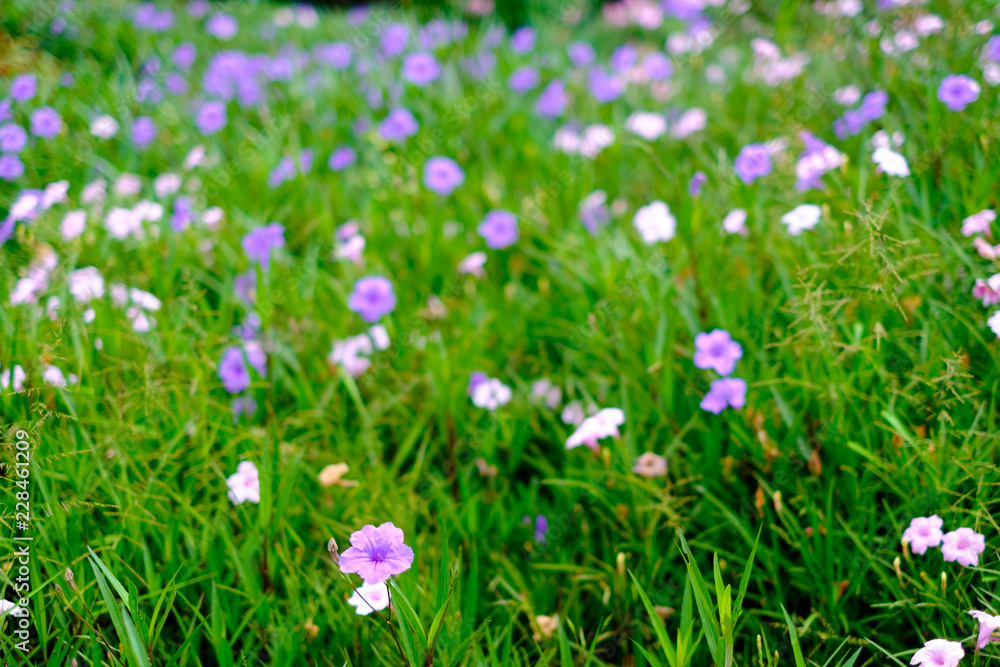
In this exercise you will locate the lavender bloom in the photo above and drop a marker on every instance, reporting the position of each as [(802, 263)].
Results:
[(623, 58), (233, 369), (523, 40), (817, 159), (541, 528), (143, 131), (553, 100), (394, 39), (13, 138), (480, 65), (148, 17), (476, 378), (372, 298), (337, 55), (376, 554), (694, 186), (421, 68), (23, 87), (604, 87), (341, 158), (958, 91), (873, 105), (11, 167), (753, 161), (211, 118), (175, 84), (725, 392), (523, 79), (182, 214), (657, 66), (45, 122), (306, 160), (718, 351), (993, 48), (499, 228), (222, 25), (285, 171), (258, 243), (399, 125), (580, 54), (685, 10), (442, 175), (5, 109), (594, 212), (434, 35)]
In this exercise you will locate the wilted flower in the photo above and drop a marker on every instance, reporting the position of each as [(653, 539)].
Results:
[(368, 598), (938, 653), (376, 554), (650, 465), (963, 545), (334, 473), (244, 484), (923, 532)]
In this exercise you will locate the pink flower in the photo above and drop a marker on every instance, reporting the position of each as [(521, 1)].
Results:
[(988, 290), (602, 425), (650, 465), (376, 554), (963, 545), (978, 223), (244, 484), (923, 532), (938, 653), (988, 625)]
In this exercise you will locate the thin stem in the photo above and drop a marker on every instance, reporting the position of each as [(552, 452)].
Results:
[(389, 622)]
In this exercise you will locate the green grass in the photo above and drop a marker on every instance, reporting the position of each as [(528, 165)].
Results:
[(873, 379)]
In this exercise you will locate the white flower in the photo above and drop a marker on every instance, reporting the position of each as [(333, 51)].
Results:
[(735, 221), (73, 224), (148, 210), (352, 354), (994, 323), (566, 140), (120, 222), (351, 249), (244, 484), (54, 376), (144, 299), (928, 24), (7, 607), (94, 191), (194, 157), (473, 264), (127, 185), (368, 598), (104, 127), (55, 193), (573, 413), (691, 121), (647, 125), (380, 337), (595, 139), (602, 425), (15, 383), (86, 284), (166, 184), (213, 216), (847, 95), (802, 217), (491, 394), (26, 205), (654, 222), (891, 162)]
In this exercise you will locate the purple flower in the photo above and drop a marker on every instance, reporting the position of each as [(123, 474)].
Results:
[(211, 117), (873, 105), (725, 392), (541, 528), (5, 109), (580, 54), (993, 48), (963, 545), (175, 84), (476, 378), (623, 58), (13, 138), (988, 626), (753, 161), (337, 55), (435, 34), (523, 79), (182, 214), (604, 87), (143, 131), (45, 122), (480, 64), (376, 554), (499, 228), (398, 125), (11, 167), (372, 298), (553, 100), (958, 91), (923, 532), (442, 175), (657, 66), (594, 211), (523, 40), (421, 68), (258, 243), (698, 180), (817, 159), (184, 55), (685, 10), (306, 160), (394, 39), (285, 171), (341, 158), (233, 369), (718, 351), (222, 25), (23, 87), (148, 17)]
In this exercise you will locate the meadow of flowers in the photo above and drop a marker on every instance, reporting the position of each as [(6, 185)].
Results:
[(651, 333)]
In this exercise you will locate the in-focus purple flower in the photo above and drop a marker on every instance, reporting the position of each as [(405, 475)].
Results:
[(623, 58), (394, 38), (958, 91), (553, 100), (372, 298), (499, 228), (341, 158), (45, 122), (938, 653), (11, 167), (421, 68), (717, 350), (658, 66), (233, 369), (211, 117), (603, 86), (923, 532), (963, 545), (988, 626), (523, 79), (442, 175), (752, 162), (694, 185), (376, 554), (258, 243), (222, 25), (580, 54), (13, 138), (23, 87), (143, 131), (725, 393), (399, 125), (522, 40)]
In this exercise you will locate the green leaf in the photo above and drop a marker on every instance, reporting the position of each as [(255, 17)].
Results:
[(794, 638), (137, 652), (565, 654), (669, 651), (701, 596), (407, 614)]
